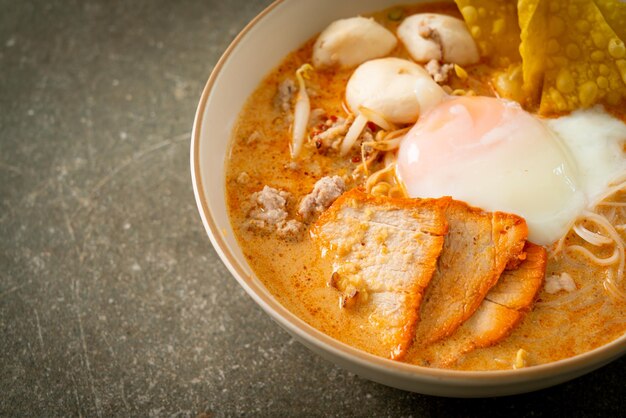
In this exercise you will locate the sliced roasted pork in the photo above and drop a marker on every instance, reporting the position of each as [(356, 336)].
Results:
[(500, 312), (384, 253), (517, 288), (477, 249)]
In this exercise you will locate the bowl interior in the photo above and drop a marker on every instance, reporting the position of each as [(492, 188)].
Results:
[(253, 54)]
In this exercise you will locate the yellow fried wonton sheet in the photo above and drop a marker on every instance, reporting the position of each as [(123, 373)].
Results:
[(571, 55), (494, 26), (614, 12), (572, 51)]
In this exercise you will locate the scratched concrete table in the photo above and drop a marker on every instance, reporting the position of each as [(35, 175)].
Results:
[(112, 301)]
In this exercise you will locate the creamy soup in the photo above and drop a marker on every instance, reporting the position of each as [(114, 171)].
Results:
[(580, 306)]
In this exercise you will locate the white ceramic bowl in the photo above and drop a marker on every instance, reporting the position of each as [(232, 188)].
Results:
[(253, 54)]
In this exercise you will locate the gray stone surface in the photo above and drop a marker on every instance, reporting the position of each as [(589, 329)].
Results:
[(112, 301)]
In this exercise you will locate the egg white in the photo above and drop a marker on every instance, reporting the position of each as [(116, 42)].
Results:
[(546, 171), (595, 139)]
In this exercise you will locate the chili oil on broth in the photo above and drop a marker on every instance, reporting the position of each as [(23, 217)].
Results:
[(560, 325), (291, 270)]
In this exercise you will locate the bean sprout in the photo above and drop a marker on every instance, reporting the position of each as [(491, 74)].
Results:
[(353, 134), (377, 118), (302, 111), (390, 142)]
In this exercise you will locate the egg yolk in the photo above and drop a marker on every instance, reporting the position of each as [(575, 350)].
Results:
[(492, 154)]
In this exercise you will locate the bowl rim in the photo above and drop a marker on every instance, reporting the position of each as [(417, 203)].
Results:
[(313, 336)]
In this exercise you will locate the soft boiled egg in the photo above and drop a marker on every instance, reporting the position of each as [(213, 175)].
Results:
[(494, 155), (596, 141)]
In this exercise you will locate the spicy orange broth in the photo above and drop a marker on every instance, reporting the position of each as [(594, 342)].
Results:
[(295, 274)]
